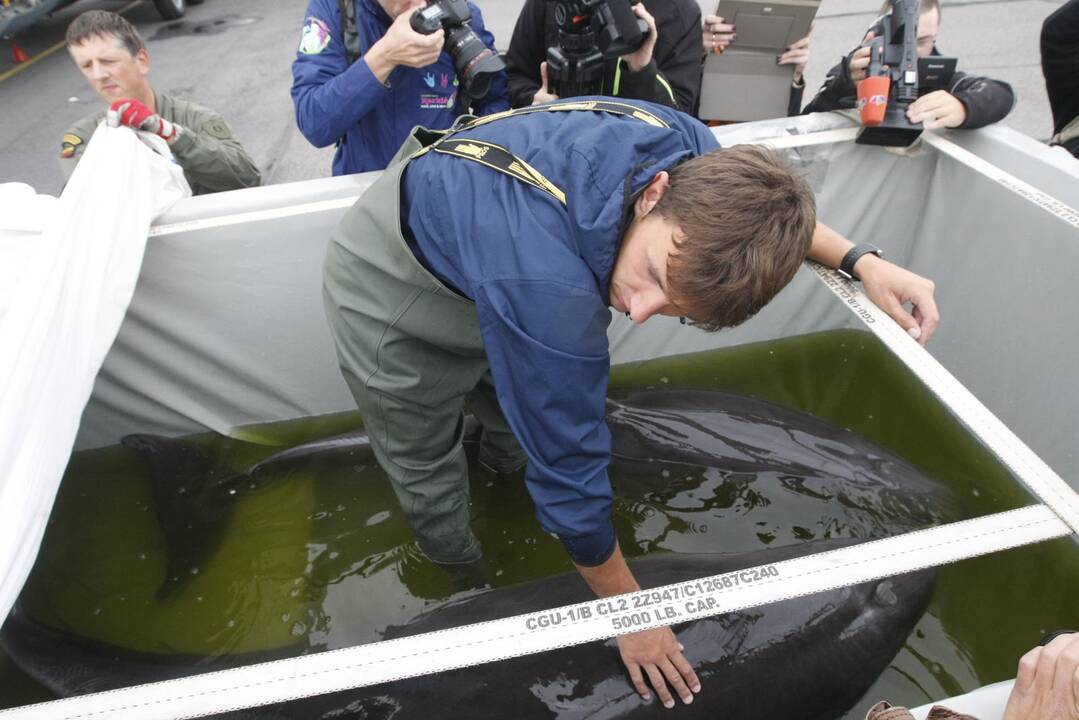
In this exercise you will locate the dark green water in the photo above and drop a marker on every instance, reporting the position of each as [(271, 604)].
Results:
[(318, 556)]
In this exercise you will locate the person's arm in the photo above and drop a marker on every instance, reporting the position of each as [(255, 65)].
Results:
[(984, 99), (637, 75), (837, 92), (1047, 684), (546, 342), (1060, 63), (204, 147), (840, 88), (73, 145), (329, 95), (653, 658), (798, 56), (497, 98), (889, 286), (212, 157), (528, 49), (678, 57), (666, 69)]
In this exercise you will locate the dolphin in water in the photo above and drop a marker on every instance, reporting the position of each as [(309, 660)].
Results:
[(740, 458), (654, 433), (810, 657)]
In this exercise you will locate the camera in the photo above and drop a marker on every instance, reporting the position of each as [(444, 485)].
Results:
[(590, 32), (476, 63)]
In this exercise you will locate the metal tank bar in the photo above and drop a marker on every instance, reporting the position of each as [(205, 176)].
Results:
[(1021, 188), (468, 645), (1024, 462), (253, 216), (825, 137)]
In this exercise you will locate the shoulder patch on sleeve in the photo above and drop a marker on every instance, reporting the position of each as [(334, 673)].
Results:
[(316, 36), (69, 145), (216, 128)]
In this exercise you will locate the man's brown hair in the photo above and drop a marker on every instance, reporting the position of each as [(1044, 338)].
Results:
[(102, 23), (747, 220)]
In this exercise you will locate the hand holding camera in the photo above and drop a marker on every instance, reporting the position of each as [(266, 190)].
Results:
[(401, 45), (476, 64), (643, 55)]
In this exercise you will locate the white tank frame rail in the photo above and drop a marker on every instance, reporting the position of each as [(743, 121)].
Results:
[(468, 645), (464, 646)]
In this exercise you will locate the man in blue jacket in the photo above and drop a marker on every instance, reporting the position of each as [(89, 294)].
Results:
[(368, 97), (481, 268)]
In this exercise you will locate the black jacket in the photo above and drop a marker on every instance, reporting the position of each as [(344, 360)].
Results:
[(1060, 64), (985, 99), (672, 78)]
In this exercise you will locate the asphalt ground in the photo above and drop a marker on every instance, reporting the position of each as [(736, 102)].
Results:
[(234, 56)]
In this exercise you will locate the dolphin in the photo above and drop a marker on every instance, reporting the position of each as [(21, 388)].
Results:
[(654, 433), (809, 657)]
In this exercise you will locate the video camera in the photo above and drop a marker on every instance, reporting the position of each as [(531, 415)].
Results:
[(590, 32), (891, 83), (476, 63)]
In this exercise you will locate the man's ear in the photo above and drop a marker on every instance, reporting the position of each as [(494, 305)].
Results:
[(142, 60), (651, 195)]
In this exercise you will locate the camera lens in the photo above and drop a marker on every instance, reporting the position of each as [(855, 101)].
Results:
[(475, 62)]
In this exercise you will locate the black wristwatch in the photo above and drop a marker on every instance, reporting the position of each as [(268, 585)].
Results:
[(846, 267)]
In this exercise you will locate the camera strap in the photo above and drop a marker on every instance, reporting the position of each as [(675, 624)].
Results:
[(499, 158), (349, 30)]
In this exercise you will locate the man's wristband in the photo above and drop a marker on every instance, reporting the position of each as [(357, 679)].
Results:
[(846, 266)]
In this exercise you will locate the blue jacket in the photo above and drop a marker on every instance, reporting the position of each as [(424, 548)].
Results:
[(539, 273), (336, 103)]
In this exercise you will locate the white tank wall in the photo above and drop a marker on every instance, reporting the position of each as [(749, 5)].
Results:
[(226, 327)]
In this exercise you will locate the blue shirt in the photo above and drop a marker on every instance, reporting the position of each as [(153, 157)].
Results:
[(339, 103), (539, 273)]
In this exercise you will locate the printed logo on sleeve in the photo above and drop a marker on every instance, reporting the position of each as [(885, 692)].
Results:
[(316, 36), (446, 98), (216, 128), (70, 145)]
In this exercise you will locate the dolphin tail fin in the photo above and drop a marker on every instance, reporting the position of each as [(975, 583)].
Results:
[(193, 503)]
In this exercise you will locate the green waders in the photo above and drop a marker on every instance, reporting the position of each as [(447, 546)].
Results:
[(411, 352), (410, 348)]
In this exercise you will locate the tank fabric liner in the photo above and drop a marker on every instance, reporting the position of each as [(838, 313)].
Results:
[(226, 328), (68, 268), (205, 347), (463, 646)]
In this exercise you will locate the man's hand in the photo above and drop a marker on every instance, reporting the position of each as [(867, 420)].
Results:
[(652, 653), (718, 34), (1047, 685), (892, 287), (937, 109), (797, 55), (133, 114), (639, 59), (544, 94), (859, 60), (658, 655), (401, 45)]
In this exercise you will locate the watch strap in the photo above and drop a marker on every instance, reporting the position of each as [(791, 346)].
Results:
[(846, 266)]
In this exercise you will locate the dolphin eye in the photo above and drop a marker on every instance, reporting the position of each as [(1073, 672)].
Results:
[(884, 595)]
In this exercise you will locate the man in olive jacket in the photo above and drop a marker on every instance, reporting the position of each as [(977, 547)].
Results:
[(114, 59)]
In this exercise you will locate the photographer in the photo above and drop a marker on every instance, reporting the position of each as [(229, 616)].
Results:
[(1060, 64), (665, 70), (395, 78), (970, 101)]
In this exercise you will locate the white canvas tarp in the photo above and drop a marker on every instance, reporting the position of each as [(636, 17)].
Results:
[(68, 268)]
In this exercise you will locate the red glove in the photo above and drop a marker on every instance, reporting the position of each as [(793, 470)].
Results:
[(132, 113)]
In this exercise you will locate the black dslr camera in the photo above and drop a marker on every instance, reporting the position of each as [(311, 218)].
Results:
[(589, 32), (475, 62)]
